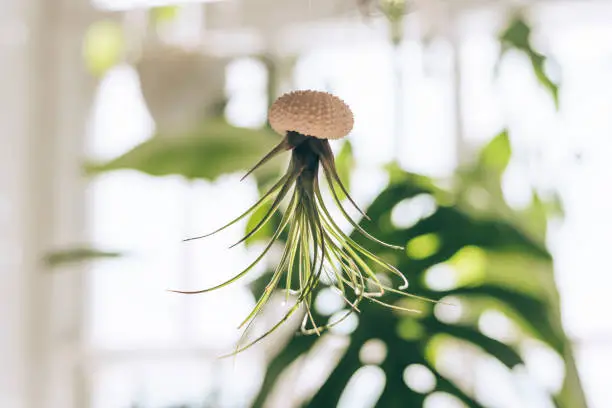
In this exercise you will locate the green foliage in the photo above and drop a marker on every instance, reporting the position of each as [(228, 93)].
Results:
[(478, 191), (215, 148), (517, 35), (76, 255), (345, 163), (497, 255), (496, 155), (496, 265), (103, 46), (267, 229), (394, 11), (164, 14)]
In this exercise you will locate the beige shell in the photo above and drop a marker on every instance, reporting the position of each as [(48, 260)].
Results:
[(311, 113)]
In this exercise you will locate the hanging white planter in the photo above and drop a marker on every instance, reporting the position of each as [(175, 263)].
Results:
[(180, 87)]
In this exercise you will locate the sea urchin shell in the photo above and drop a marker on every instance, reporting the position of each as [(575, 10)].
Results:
[(311, 113)]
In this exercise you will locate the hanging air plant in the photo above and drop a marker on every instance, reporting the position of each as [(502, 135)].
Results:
[(316, 248)]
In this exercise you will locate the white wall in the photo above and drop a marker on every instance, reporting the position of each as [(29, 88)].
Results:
[(43, 106)]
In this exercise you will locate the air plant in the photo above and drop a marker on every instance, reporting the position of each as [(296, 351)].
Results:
[(316, 250)]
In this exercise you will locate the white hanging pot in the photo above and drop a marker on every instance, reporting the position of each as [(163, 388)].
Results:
[(180, 87)]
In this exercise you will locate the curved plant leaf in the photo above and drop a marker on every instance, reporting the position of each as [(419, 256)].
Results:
[(213, 149), (406, 336), (517, 35)]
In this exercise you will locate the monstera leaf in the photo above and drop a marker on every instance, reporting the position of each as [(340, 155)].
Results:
[(213, 149), (494, 265), (407, 337)]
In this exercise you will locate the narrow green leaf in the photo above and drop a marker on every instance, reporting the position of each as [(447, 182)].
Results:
[(74, 255)]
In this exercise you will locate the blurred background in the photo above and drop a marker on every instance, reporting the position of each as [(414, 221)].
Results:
[(481, 141)]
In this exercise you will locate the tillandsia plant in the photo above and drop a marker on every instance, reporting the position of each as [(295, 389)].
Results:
[(316, 248)]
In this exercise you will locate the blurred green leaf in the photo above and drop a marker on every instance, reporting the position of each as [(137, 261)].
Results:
[(410, 329), (394, 11), (75, 255), (496, 265), (517, 35), (535, 315), (553, 205), (345, 163), (103, 46), (449, 387), (495, 156), (299, 346), (267, 230), (504, 353), (163, 14), (214, 149), (423, 246), (479, 191)]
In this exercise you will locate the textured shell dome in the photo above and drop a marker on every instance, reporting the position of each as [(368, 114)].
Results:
[(311, 113)]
